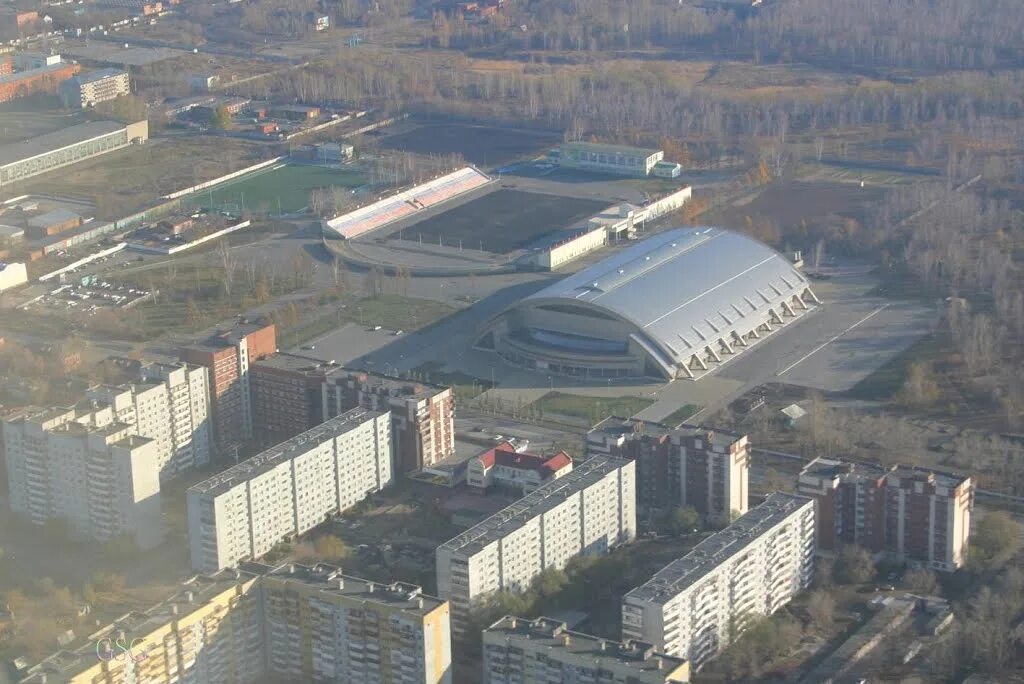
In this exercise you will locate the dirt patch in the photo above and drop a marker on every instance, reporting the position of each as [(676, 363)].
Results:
[(483, 145), (787, 204), (502, 221)]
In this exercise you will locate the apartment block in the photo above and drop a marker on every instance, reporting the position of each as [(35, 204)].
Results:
[(688, 466), (909, 514), (518, 651), (263, 624), (93, 87), (588, 511), (168, 403), (422, 416), (505, 469), (292, 393), (87, 469), (228, 355), (287, 395), (692, 606), (322, 626), (243, 512)]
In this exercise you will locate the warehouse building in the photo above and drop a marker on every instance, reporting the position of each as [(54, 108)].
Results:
[(12, 275), (243, 512), (589, 512), (44, 79), (43, 153), (675, 305), (86, 90), (695, 605), (519, 651), (614, 159)]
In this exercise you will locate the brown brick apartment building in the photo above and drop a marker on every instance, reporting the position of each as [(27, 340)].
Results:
[(910, 514), (688, 466), (291, 394), (228, 355), (422, 416)]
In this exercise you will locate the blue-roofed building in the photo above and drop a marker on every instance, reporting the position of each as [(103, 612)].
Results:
[(675, 305)]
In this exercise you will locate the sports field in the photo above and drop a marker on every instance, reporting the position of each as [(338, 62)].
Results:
[(502, 221), (283, 188)]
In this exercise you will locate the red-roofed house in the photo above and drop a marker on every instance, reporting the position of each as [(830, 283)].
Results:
[(504, 468)]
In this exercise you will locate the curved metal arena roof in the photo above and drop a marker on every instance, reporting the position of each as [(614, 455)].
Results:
[(688, 288)]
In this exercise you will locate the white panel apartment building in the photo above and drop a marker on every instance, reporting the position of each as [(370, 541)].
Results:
[(86, 469), (589, 511), (753, 567), (289, 489), (170, 405)]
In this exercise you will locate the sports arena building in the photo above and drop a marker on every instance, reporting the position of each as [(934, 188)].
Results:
[(672, 306)]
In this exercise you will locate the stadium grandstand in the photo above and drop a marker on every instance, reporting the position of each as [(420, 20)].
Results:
[(675, 305), (406, 203)]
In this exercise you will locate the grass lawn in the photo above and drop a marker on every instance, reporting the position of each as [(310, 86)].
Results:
[(266, 191), (680, 415), (592, 409)]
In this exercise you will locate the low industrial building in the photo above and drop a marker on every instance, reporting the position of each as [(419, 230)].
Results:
[(70, 145), (520, 651), (45, 79), (590, 511), (696, 605), (52, 223), (675, 305), (295, 112), (89, 89), (619, 160), (505, 469)]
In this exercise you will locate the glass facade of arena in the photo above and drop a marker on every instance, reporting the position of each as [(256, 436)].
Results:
[(41, 163)]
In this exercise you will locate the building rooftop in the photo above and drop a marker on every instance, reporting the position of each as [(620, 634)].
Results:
[(31, 73), (541, 500), (831, 469), (731, 284), (683, 572), (295, 363), (98, 75), (554, 635), (329, 579), (65, 137), (219, 339), (615, 428), (619, 149), (264, 461), (53, 217), (505, 455)]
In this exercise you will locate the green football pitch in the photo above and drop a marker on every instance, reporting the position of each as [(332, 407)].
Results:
[(278, 189)]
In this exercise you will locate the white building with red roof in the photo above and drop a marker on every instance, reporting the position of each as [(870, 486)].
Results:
[(504, 468)]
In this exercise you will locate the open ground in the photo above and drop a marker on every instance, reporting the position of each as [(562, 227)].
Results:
[(281, 188), (126, 180), (482, 145), (502, 221)]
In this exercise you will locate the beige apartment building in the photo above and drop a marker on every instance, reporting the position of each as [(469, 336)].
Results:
[(694, 605), (243, 512), (87, 469), (292, 623), (588, 511)]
